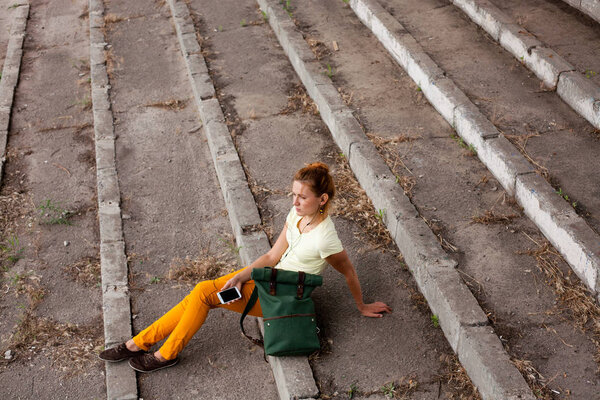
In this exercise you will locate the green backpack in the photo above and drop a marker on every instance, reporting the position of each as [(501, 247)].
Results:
[(290, 326)]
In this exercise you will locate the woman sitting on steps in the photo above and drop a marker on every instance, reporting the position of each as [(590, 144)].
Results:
[(314, 239)]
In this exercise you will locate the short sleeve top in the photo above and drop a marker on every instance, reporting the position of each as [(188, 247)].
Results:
[(307, 251)]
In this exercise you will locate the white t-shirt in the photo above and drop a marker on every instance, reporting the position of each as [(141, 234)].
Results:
[(307, 251)]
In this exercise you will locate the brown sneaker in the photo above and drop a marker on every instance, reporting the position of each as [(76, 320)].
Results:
[(119, 353), (148, 363)]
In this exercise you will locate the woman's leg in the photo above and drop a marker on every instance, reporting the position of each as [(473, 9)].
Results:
[(183, 320)]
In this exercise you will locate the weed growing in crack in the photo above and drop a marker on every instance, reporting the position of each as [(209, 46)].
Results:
[(264, 16), (463, 144), (353, 390), (389, 389), (52, 213), (231, 246), (243, 22), (11, 250), (566, 197), (435, 320), (330, 72), (154, 279), (589, 73), (85, 104)]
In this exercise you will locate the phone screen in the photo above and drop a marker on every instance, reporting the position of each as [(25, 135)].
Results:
[(228, 295)]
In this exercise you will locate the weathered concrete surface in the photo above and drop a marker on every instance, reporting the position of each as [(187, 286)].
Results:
[(501, 157), (446, 293)]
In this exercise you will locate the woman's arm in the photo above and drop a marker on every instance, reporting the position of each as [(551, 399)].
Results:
[(341, 262), (269, 259)]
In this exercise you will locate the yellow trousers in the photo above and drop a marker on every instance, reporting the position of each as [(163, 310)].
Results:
[(183, 320)]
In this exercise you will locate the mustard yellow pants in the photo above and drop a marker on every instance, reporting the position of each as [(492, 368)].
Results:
[(182, 321)]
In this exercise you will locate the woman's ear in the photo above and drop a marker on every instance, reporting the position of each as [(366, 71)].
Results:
[(324, 198)]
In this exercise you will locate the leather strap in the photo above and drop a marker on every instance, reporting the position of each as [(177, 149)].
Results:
[(300, 290), (273, 282), (249, 305)]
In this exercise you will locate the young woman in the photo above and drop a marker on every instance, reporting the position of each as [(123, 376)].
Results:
[(308, 242)]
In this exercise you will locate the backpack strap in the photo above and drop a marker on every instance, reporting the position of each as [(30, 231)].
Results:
[(300, 289), (273, 282), (249, 305)]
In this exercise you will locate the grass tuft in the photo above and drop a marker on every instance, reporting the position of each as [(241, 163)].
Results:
[(205, 266), (489, 217), (298, 99), (171, 104), (85, 271)]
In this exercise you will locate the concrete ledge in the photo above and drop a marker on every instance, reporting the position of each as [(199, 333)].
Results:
[(117, 314), (484, 14), (562, 226), (202, 86), (105, 154), (591, 8), (289, 374), (113, 263), (543, 61), (504, 161), (588, 7), (111, 229), (478, 345), (446, 293), (123, 382), (253, 245), (10, 75), (108, 187), (103, 124), (581, 94), (293, 375), (450, 299), (344, 121)]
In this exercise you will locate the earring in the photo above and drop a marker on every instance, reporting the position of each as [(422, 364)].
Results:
[(321, 211)]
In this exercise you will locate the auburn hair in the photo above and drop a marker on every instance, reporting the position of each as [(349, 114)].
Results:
[(316, 175)]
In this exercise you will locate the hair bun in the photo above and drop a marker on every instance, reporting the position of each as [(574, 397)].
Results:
[(318, 165)]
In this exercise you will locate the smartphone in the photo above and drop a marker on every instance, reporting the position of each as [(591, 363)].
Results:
[(229, 295)]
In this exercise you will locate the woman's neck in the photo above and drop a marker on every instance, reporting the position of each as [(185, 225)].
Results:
[(308, 222)]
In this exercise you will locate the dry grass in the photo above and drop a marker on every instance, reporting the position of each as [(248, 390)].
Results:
[(112, 18), (28, 284), (520, 141), (456, 378), (171, 104), (387, 147), (85, 271), (490, 217), (15, 208), (71, 348), (352, 203), (318, 48), (205, 266), (535, 380), (347, 97), (573, 297), (298, 99), (85, 11)]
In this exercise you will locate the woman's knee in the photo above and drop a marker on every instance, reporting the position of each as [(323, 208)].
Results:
[(204, 291)]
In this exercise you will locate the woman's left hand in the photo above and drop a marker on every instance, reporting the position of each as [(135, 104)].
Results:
[(374, 310)]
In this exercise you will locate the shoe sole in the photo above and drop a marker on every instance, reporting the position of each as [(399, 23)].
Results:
[(115, 361), (156, 369)]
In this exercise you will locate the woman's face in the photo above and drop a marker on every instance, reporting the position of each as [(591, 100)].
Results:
[(305, 200)]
